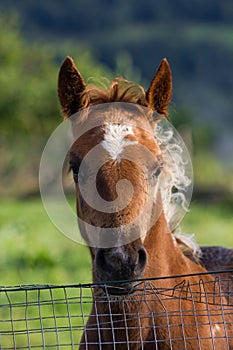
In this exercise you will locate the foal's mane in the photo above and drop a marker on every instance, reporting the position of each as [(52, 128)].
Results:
[(120, 90)]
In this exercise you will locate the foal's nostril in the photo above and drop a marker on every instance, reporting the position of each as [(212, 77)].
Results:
[(141, 263), (142, 256)]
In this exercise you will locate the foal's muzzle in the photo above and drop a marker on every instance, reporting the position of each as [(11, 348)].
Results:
[(120, 263)]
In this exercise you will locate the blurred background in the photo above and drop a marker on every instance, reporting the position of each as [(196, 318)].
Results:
[(108, 39)]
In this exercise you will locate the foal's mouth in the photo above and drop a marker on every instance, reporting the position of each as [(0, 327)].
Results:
[(120, 289)]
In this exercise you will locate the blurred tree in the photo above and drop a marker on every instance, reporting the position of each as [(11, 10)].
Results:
[(29, 108), (28, 79), (130, 37)]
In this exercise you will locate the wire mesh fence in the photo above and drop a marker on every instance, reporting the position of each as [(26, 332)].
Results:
[(55, 317)]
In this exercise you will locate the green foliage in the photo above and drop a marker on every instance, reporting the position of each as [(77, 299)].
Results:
[(34, 251), (29, 108), (132, 41), (86, 15), (28, 77), (209, 173)]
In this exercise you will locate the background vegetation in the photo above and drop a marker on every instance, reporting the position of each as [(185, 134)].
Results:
[(34, 251), (126, 38)]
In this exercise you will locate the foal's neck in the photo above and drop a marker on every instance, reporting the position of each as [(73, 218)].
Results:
[(164, 255)]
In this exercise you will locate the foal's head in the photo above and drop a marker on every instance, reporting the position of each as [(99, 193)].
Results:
[(116, 163)]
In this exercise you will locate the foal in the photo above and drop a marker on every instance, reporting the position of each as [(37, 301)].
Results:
[(146, 248)]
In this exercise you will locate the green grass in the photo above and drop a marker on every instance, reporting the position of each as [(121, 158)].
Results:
[(34, 251), (212, 224)]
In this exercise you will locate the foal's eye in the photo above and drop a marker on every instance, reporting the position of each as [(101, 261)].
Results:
[(74, 172), (157, 172), (75, 169), (75, 176)]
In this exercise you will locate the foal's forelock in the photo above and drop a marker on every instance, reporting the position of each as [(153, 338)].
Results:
[(120, 90)]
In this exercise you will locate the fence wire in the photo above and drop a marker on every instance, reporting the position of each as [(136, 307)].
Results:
[(55, 317)]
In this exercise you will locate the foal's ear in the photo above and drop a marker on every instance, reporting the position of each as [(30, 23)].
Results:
[(70, 88), (159, 93)]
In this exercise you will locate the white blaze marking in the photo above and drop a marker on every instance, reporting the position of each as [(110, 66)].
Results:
[(114, 139)]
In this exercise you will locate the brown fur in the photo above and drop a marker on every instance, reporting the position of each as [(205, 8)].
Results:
[(159, 92), (164, 257), (75, 95)]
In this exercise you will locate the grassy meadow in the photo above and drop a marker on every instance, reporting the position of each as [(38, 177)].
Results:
[(34, 251)]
